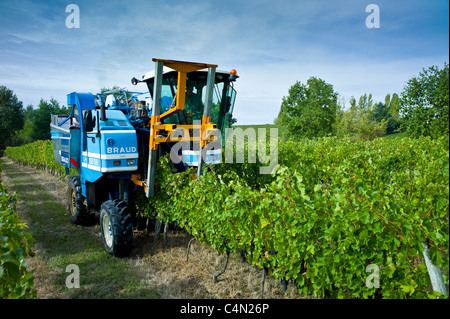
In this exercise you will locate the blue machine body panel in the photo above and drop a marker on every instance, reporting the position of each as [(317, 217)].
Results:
[(111, 146), (61, 147), (66, 130), (66, 142), (108, 147), (83, 101)]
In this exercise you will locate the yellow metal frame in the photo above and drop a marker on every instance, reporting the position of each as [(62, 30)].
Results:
[(155, 124), (207, 128)]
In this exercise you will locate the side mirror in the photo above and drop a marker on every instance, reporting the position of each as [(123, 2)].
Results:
[(134, 81), (88, 121)]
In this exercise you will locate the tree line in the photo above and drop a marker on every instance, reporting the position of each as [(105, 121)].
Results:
[(19, 125), (314, 109)]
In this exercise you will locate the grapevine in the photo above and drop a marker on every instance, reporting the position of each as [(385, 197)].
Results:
[(330, 208)]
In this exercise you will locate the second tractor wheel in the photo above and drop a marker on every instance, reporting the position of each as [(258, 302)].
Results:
[(77, 210), (116, 228)]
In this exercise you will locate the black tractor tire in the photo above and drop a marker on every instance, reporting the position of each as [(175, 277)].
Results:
[(78, 213), (116, 228)]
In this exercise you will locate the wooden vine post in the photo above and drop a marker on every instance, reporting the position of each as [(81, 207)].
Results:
[(216, 275)]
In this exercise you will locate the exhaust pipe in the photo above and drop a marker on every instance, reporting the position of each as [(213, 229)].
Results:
[(103, 113)]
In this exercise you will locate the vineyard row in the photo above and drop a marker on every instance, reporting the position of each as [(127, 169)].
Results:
[(330, 209)]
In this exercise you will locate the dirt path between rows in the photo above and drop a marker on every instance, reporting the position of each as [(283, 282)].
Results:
[(151, 271)]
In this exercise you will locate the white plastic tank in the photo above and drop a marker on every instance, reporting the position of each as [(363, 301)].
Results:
[(111, 100)]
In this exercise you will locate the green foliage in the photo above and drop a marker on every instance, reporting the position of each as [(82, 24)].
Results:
[(11, 115), (37, 125), (389, 113), (364, 120), (331, 208), (15, 243), (425, 103), (38, 154), (309, 110), (312, 110)]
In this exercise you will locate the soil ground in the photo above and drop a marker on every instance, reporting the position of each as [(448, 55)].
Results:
[(151, 271)]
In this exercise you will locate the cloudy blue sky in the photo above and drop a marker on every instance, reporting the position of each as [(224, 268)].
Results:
[(272, 44)]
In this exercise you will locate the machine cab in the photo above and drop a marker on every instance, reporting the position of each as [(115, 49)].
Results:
[(192, 103), (222, 100)]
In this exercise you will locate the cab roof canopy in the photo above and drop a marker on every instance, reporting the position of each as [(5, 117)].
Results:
[(221, 75), (172, 67)]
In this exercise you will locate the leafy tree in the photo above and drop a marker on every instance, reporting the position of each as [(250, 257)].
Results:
[(11, 115), (345, 124), (37, 121), (360, 120), (380, 111), (310, 109), (393, 105), (389, 112), (365, 103), (425, 103), (28, 113)]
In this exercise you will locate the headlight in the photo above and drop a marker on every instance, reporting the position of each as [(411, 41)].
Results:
[(131, 162)]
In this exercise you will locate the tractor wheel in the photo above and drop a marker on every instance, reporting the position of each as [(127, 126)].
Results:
[(77, 210), (116, 228)]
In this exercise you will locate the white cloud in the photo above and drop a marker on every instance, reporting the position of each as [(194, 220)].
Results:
[(271, 44), (261, 88)]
